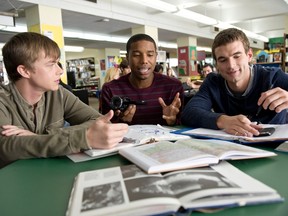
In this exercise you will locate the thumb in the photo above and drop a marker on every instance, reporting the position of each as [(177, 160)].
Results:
[(107, 117)]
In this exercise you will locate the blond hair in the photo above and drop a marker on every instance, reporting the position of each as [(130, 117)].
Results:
[(111, 74)]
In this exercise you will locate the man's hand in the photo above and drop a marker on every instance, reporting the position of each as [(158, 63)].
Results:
[(274, 99), (238, 125), (170, 112), (103, 134), (127, 115), (10, 130)]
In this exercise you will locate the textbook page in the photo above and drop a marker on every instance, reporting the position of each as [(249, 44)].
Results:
[(123, 190), (219, 186), (225, 150), (127, 190), (138, 135), (279, 134), (166, 156)]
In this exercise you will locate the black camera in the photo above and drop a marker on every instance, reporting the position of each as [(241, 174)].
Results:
[(122, 103)]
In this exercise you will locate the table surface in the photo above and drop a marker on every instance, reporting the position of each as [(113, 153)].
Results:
[(42, 186)]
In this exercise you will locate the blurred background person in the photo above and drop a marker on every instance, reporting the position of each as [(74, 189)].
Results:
[(158, 68), (124, 67), (111, 74)]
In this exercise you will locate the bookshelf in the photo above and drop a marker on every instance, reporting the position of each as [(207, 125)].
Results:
[(285, 53), (81, 74), (274, 54)]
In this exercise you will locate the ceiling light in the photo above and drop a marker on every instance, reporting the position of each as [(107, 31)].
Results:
[(196, 17), (103, 20), (188, 14), (73, 49), (158, 5)]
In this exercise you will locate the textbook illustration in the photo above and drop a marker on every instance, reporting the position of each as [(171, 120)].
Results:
[(127, 190), (166, 156)]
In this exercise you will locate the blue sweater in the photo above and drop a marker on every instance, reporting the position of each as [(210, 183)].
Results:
[(213, 95)]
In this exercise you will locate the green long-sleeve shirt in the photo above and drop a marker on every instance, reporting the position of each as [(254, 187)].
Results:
[(47, 121)]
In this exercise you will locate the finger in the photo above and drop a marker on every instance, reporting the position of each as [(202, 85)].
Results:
[(176, 98), (9, 127), (131, 109), (162, 103), (10, 132), (107, 117), (265, 98)]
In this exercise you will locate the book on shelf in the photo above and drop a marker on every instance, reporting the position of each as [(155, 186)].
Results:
[(279, 135), (127, 190), (167, 156), (137, 135)]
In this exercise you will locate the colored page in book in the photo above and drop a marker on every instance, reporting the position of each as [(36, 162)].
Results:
[(164, 152), (225, 150)]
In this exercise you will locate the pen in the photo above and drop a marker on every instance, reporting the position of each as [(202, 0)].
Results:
[(261, 107)]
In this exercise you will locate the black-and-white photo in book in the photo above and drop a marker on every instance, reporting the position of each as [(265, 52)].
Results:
[(280, 134), (166, 156), (138, 135), (127, 190)]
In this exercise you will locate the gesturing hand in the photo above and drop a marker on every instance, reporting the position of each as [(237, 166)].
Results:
[(103, 134), (170, 112), (274, 99)]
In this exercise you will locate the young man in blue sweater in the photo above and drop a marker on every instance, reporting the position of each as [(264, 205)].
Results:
[(240, 94)]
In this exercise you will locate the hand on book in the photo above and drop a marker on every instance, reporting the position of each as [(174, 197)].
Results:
[(104, 135), (238, 125)]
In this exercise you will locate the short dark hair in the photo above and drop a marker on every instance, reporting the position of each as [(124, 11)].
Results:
[(124, 64), (24, 49), (208, 65), (228, 36), (158, 67), (139, 37)]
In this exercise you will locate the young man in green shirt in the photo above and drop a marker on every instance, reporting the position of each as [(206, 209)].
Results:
[(34, 107)]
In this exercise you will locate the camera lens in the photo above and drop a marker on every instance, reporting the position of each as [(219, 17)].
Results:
[(116, 102)]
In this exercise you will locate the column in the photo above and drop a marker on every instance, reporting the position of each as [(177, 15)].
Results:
[(48, 21), (153, 32), (187, 56), (149, 30)]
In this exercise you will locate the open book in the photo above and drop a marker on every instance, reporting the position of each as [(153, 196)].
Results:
[(127, 190), (280, 134), (166, 156), (138, 135)]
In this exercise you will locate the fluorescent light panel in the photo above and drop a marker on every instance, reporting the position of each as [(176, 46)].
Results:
[(7, 20), (73, 49), (196, 17), (158, 5), (163, 6)]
